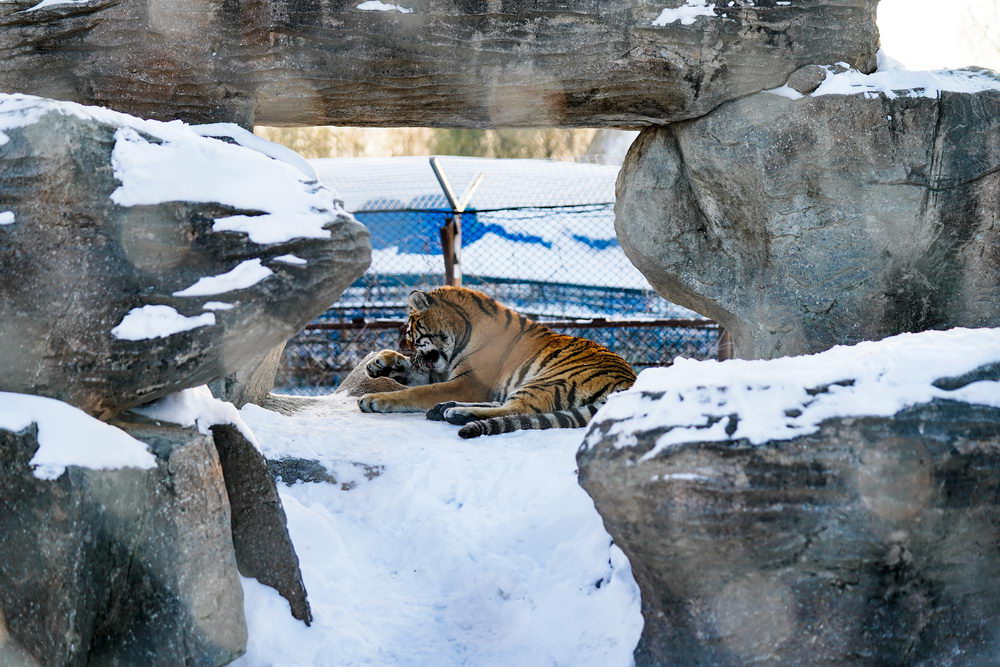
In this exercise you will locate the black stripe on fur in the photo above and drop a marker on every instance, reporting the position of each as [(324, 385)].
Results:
[(572, 418)]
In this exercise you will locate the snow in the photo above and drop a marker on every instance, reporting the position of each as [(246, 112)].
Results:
[(786, 91), (272, 228), (197, 407), (217, 305), (282, 202), (375, 5), (291, 204), (220, 172), (291, 259), (246, 274), (67, 436), (250, 140), (681, 476), (892, 80), (55, 3), (478, 552), (6, 217), (902, 83), (157, 322), (789, 397), (687, 13)]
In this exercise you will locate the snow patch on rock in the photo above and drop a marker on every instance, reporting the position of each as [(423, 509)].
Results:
[(893, 80), (67, 436), (157, 322), (206, 169), (276, 189), (252, 141), (45, 4), (290, 259), (903, 83), (197, 407), (245, 274), (217, 305), (779, 399), (687, 13), (223, 173), (376, 6), (6, 217)]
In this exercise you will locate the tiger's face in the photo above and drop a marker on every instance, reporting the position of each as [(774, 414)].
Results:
[(428, 335)]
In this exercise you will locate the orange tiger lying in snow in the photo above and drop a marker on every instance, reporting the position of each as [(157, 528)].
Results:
[(491, 369)]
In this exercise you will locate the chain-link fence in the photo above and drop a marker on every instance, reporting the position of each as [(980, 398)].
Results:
[(537, 236)]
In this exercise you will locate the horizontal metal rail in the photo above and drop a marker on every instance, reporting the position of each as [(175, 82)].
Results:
[(523, 207), (596, 323)]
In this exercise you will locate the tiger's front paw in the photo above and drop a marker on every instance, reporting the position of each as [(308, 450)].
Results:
[(378, 403), (388, 363)]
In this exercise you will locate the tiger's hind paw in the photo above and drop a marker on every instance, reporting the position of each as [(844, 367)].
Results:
[(436, 414), (459, 416), (456, 412), (471, 430)]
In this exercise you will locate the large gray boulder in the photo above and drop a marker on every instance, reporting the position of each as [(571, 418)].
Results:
[(618, 63), (138, 258), (785, 513), (126, 566), (799, 224)]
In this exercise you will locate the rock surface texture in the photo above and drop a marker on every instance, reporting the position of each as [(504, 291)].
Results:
[(799, 224), (120, 286), (118, 567), (425, 62), (264, 549), (867, 540)]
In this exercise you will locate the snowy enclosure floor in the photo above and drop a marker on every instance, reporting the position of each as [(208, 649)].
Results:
[(461, 552)]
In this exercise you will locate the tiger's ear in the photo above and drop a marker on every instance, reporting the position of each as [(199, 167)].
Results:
[(419, 301)]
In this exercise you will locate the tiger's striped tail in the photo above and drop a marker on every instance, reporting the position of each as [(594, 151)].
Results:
[(572, 418)]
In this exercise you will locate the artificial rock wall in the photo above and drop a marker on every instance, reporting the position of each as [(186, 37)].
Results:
[(436, 63), (800, 224), (139, 259)]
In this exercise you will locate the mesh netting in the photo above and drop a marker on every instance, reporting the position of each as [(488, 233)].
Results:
[(555, 262)]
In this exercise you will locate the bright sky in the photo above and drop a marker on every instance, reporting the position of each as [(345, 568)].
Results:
[(935, 34)]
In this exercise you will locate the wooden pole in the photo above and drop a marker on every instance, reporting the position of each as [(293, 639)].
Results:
[(451, 244), (725, 350)]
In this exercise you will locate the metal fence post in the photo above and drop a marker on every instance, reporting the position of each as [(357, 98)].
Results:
[(451, 231)]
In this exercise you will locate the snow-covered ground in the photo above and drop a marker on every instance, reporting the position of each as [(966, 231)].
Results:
[(478, 552)]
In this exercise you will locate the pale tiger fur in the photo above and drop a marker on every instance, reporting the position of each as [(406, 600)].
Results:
[(492, 370)]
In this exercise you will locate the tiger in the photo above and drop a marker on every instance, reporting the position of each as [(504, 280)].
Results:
[(492, 370)]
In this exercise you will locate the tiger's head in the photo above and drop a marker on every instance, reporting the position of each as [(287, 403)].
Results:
[(435, 331)]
